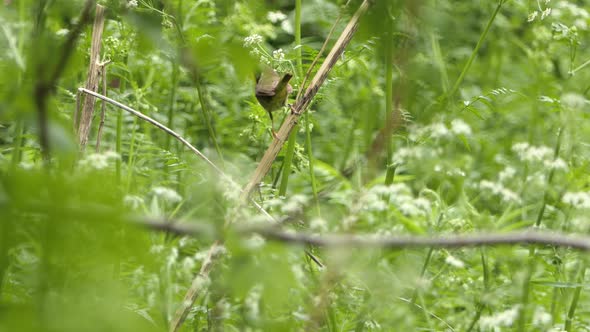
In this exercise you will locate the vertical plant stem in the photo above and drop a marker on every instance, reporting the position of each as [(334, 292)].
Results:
[(298, 38), (308, 145), (427, 260), (207, 115), (171, 102), (314, 187), (389, 105), (440, 62), (572, 310), (288, 161), (131, 161), (19, 130), (293, 136), (103, 106), (532, 250), (18, 142), (525, 295), (549, 179), (486, 282), (482, 37), (118, 140)]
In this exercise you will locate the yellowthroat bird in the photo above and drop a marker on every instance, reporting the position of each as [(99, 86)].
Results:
[(272, 91)]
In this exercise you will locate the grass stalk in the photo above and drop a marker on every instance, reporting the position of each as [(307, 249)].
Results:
[(171, 102), (308, 146), (390, 171), (482, 37), (207, 116), (577, 291), (293, 136), (288, 161)]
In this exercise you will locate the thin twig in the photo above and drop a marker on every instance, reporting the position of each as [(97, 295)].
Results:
[(394, 242), (160, 126)]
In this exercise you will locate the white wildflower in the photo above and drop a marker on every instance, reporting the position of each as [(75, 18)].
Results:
[(500, 319), (276, 16), (541, 317), (532, 153), (223, 309), (173, 256), (532, 16), (506, 174), (255, 241), (545, 13), (422, 204), (62, 32), (318, 225), (574, 100), (498, 189), (26, 165), (547, 99), (188, 264), (301, 314), (132, 201), (98, 160), (454, 261), (295, 204), (439, 130), (167, 194), (252, 302), (156, 249), (131, 4), (298, 272), (372, 324), (456, 172), (287, 27), (579, 200), (278, 54), (557, 164), (252, 40), (459, 127)]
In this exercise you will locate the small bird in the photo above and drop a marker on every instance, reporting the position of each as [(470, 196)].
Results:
[(272, 91)]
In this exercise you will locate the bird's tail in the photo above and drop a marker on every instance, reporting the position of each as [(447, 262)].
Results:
[(283, 82)]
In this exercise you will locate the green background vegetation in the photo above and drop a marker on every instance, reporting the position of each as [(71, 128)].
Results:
[(441, 117)]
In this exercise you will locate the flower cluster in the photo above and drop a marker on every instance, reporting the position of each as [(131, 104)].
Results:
[(99, 161), (497, 189), (539, 154), (440, 130)]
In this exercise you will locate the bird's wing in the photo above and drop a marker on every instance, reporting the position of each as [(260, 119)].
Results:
[(267, 83), (265, 91)]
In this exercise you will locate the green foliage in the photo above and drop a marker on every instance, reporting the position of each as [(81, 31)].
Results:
[(482, 130)]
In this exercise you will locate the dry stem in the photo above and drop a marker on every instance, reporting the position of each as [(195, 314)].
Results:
[(92, 79)]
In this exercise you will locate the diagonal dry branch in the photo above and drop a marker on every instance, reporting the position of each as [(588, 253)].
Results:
[(302, 103)]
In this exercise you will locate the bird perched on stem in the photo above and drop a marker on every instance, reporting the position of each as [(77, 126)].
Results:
[(272, 91)]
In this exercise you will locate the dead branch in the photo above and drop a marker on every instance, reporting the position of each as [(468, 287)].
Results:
[(93, 77), (530, 237)]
